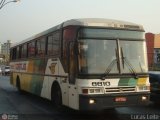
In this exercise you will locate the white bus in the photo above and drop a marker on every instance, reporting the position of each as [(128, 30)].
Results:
[(84, 64)]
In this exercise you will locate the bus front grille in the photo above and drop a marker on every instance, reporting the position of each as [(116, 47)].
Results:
[(119, 89)]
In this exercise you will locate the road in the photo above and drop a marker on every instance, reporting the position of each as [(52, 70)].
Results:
[(15, 106)]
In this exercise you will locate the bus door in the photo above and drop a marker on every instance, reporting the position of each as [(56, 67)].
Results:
[(73, 96)]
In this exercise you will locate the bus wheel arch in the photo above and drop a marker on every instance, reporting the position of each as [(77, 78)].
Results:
[(56, 95)]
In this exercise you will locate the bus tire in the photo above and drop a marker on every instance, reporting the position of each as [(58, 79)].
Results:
[(56, 96), (18, 85)]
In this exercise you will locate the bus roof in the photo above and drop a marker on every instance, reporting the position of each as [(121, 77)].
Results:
[(88, 22), (101, 22)]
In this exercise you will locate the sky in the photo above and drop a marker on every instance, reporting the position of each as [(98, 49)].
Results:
[(23, 19)]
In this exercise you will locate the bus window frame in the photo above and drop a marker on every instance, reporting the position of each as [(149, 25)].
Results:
[(24, 55), (40, 40), (29, 54), (81, 75), (19, 51), (65, 45), (73, 44), (52, 39)]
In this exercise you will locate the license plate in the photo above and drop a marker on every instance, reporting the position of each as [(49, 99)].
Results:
[(120, 99)]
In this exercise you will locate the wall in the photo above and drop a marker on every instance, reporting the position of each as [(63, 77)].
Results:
[(157, 41), (150, 48)]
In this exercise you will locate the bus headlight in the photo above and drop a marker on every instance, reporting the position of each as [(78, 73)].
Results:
[(92, 90), (144, 98), (92, 101), (143, 88)]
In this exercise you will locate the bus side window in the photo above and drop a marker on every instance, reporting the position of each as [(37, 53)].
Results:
[(53, 45), (69, 34), (24, 51), (31, 49), (49, 45), (19, 49), (40, 47), (72, 63), (13, 53), (56, 43)]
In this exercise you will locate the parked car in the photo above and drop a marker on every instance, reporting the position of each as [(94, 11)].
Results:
[(154, 79), (7, 70)]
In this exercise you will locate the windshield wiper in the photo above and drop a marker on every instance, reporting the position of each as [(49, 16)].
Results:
[(140, 66), (110, 66), (129, 65)]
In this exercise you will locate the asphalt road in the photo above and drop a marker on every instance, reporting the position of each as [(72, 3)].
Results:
[(15, 106)]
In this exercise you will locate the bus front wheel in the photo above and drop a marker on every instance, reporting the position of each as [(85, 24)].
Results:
[(56, 96)]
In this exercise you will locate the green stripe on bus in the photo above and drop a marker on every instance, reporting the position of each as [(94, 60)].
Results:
[(123, 82), (36, 84), (127, 82), (40, 66), (132, 82)]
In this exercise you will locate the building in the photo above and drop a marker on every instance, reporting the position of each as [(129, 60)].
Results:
[(5, 47), (4, 52), (153, 50)]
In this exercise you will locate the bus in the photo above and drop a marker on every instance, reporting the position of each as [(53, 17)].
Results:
[(84, 64)]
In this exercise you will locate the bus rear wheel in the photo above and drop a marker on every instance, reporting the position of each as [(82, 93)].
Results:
[(56, 96), (18, 85)]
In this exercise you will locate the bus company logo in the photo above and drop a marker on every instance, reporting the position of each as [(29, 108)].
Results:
[(52, 67), (4, 117), (107, 83)]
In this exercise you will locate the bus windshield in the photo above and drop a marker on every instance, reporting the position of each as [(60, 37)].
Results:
[(96, 54)]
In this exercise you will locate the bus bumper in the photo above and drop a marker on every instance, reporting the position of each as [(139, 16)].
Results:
[(100, 102)]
